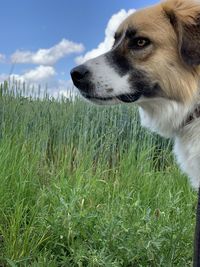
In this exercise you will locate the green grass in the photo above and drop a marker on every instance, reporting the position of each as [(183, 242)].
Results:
[(84, 186)]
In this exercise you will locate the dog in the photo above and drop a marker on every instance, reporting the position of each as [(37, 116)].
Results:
[(155, 63)]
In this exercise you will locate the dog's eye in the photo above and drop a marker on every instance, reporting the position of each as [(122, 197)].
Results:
[(139, 43)]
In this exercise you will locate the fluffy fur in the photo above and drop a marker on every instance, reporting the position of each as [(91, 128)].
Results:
[(155, 62)]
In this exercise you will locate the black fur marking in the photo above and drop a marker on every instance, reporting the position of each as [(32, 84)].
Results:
[(130, 33), (142, 84), (126, 98), (129, 98), (116, 58), (119, 62), (90, 97), (117, 36)]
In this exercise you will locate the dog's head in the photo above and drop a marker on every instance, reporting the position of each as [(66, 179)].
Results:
[(156, 56)]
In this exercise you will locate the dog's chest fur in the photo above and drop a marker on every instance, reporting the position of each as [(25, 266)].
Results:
[(187, 151), (166, 118)]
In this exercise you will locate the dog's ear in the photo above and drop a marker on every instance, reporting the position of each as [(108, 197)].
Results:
[(184, 16)]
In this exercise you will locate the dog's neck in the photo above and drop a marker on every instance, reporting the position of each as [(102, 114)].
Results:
[(168, 118), (195, 114)]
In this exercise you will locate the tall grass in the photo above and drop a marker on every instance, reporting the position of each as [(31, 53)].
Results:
[(87, 186)]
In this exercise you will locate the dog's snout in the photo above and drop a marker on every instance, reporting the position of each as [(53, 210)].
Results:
[(81, 77), (79, 73)]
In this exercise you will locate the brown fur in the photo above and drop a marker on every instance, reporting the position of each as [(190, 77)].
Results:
[(173, 58)]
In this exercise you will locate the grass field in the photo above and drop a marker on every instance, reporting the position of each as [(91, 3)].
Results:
[(85, 186)]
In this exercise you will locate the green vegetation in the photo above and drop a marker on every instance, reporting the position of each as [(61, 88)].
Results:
[(86, 186)]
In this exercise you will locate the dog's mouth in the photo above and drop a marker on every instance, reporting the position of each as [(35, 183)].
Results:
[(126, 98)]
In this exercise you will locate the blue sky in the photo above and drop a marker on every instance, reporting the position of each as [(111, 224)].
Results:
[(63, 29)]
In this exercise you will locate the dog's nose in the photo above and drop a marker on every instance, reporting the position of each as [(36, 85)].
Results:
[(79, 74), (81, 77)]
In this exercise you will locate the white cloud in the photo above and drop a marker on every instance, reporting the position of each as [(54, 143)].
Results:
[(2, 58), (39, 74), (106, 45), (47, 56)]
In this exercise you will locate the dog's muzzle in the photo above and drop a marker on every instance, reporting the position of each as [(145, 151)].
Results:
[(82, 79)]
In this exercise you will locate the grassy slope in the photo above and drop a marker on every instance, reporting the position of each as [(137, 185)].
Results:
[(85, 186)]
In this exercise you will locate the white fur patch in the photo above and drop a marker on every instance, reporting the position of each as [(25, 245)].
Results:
[(162, 115), (187, 151), (166, 117), (105, 78)]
